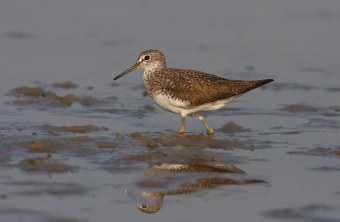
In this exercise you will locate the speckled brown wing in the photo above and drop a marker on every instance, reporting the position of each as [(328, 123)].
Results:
[(199, 88)]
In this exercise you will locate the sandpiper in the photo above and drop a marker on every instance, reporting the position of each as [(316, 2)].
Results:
[(187, 92)]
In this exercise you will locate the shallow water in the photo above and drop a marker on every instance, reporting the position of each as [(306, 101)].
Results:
[(76, 146)]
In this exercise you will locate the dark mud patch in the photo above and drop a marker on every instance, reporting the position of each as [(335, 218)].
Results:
[(3, 159), (146, 140), (66, 219), (321, 151), (298, 86), (67, 189), (291, 133), (332, 111), (146, 157), (326, 123), (332, 89), (326, 168), (300, 108), (321, 71), (229, 109), (106, 145), (231, 127), (34, 188), (187, 141), (114, 110), (44, 164), (141, 112), (148, 108), (315, 213), (19, 35), (16, 211)]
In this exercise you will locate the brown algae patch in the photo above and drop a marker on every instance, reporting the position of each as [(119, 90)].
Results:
[(40, 146), (320, 149), (65, 85), (29, 91), (326, 150), (336, 152), (24, 102), (74, 129), (36, 95)]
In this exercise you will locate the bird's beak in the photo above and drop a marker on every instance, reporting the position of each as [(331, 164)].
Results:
[(132, 68)]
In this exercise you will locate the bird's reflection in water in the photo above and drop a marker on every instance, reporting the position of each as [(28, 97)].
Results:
[(200, 176)]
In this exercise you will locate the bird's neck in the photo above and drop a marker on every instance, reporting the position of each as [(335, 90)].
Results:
[(154, 67)]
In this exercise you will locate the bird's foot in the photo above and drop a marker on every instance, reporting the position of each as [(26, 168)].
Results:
[(210, 132), (180, 131)]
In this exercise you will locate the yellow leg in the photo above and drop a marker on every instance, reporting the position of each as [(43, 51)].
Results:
[(210, 131), (181, 129)]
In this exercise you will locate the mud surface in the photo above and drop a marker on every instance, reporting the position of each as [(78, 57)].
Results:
[(77, 147)]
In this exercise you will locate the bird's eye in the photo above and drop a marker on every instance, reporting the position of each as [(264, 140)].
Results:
[(146, 57)]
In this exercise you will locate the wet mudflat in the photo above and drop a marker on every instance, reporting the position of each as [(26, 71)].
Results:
[(76, 146)]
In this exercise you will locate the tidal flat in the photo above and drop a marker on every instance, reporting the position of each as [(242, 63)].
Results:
[(76, 146)]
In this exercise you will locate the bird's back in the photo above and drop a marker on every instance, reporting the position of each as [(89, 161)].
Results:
[(197, 87)]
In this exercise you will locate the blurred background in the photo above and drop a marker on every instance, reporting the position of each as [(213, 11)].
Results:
[(81, 39)]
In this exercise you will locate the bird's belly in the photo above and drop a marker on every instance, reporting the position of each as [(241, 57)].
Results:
[(184, 108), (170, 104), (208, 106)]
